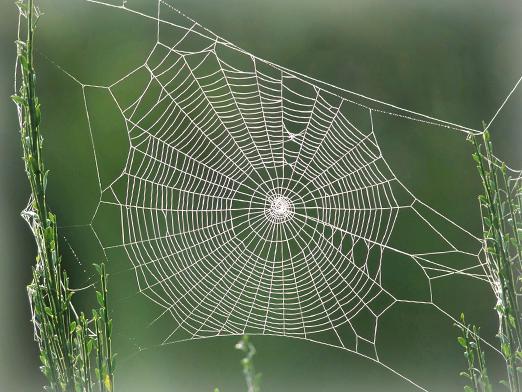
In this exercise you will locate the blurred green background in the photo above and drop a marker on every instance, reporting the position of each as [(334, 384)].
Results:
[(455, 60)]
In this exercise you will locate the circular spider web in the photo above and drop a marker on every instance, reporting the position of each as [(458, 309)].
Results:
[(248, 246), (242, 214), (256, 200)]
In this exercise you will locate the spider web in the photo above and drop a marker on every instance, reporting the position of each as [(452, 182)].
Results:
[(256, 200)]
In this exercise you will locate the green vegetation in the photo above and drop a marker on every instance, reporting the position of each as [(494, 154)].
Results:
[(75, 350), (253, 379), (476, 372), (501, 208)]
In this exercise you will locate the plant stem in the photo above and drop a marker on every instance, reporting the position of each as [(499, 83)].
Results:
[(64, 339), (253, 379), (501, 209)]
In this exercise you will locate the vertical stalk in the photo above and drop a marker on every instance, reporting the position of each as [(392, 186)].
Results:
[(64, 339), (501, 217), (252, 378)]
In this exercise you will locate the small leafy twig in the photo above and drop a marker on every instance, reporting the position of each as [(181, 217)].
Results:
[(253, 379), (477, 372)]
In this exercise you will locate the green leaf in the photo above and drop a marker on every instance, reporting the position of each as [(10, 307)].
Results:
[(18, 100), (43, 359), (90, 345), (113, 362), (98, 268), (462, 342), (506, 350), (464, 374), (23, 62), (72, 327), (99, 297), (49, 234), (45, 176)]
